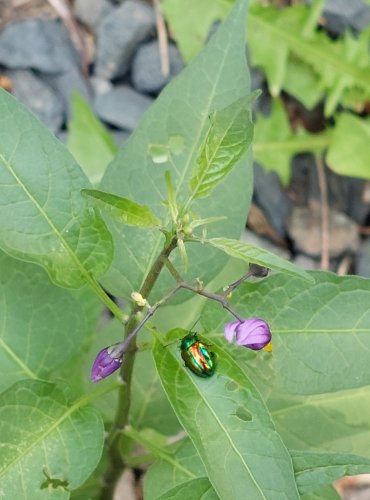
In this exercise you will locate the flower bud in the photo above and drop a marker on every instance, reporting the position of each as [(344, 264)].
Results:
[(139, 299), (258, 271), (106, 362), (253, 333)]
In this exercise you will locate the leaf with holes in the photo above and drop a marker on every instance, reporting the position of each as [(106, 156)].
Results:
[(43, 217), (230, 427)]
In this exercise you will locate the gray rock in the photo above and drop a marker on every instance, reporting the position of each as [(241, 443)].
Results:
[(304, 227), (120, 136), (66, 83), (271, 198), (147, 74), (342, 14), (40, 44), (118, 35), (38, 97), (122, 107), (362, 261), (91, 12), (100, 85)]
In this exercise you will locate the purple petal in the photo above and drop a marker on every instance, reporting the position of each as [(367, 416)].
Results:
[(104, 365), (253, 333), (230, 330)]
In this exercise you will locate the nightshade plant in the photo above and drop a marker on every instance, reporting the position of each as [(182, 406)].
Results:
[(157, 232)]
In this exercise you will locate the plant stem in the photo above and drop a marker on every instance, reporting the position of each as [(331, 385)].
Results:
[(117, 463), (115, 310), (222, 299)]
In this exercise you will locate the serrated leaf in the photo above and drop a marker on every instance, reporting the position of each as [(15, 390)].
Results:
[(255, 255), (275, 143), (229, 136), (43, 218), (213, 80), (340, 65), (349, 152), (230, 427), (42, 325), (315, 469), (88, 140), (126, 211), (49, 446), (320, 331)]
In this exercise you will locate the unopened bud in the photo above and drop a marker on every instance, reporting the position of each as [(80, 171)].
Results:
[(139, 299), (258, 271)]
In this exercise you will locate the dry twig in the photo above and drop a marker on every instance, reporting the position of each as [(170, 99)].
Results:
[(162, 39)]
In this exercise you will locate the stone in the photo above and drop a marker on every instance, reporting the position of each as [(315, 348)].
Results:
[(304, 228), (91, 12), (39, 44), (39, 97), (122, 107), (100, 85), (118, 36), (67, 82), (342, 14), (362, 259), (147, 74), (271, 198), (306, 262)]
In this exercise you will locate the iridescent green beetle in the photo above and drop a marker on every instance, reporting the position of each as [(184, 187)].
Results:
[(197, 357)]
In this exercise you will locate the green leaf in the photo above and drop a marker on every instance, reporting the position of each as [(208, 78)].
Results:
[(88, 140), (315, 469), (191, 31), (349, 152), (126, 211), (340, 420), (275, 35), (254, 255), (320, 331), (228, 137), (42, 325), (230, 427), (49, 446), (179, 468), (171, 197), (275, 143), (323, 493), (212, 81), (43, 218)]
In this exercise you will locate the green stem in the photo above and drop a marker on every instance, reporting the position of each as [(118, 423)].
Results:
[(115, 310), (117, 463)]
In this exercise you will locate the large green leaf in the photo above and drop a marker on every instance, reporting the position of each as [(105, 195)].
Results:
[(43, 217), (323, 493), (320, 331), (331, 422), (349, 152), (48, 445), (315, 469), (228, 138), (230, 428), (42, 325), (88, 140), (215, 79), (255, 255)]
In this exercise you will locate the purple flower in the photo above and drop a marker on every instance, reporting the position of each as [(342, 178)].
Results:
[(106, 362), (253, 333)]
